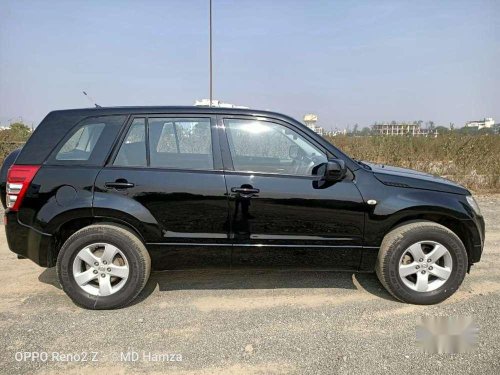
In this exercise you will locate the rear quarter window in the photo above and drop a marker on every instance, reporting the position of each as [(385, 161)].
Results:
[(88, 143)]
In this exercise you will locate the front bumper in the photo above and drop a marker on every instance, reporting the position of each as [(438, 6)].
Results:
[(477, 229), (27, 242)]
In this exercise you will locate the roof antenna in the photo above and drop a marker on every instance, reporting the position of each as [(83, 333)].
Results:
[(91, 100)]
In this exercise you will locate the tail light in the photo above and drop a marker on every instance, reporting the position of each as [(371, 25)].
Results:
[(18, 181)]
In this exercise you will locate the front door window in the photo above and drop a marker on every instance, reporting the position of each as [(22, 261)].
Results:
[(267, 147)]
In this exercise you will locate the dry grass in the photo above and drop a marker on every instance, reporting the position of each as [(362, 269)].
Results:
[(473, 161), (470, 160)]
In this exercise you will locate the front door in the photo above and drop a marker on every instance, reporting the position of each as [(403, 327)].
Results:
[(279, 215), (167, 180)]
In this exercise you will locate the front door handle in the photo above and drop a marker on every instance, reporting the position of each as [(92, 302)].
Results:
[(119, 185), (245, 192)]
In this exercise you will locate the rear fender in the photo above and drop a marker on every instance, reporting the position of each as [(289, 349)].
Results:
[(121, 208)]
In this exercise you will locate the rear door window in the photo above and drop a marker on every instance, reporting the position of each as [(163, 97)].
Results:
[(90, 142), (167, 142), (183, 143)]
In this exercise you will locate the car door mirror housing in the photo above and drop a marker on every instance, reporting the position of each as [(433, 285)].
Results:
[(335, 170)]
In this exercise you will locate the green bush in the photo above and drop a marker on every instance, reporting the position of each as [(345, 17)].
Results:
[(13, 137)]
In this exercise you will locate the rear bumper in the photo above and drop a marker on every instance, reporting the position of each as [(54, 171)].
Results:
[(27, 242)]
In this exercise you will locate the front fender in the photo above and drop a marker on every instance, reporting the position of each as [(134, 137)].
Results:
[(398, 204)]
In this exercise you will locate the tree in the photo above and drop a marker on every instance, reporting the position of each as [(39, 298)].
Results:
[(13, 137), (430, 125), (20, 130), (366, 131), (17, 132), (468, 130), (442, 129)]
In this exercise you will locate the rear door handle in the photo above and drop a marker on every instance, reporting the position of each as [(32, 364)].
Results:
[(119, 185), (245, 192)]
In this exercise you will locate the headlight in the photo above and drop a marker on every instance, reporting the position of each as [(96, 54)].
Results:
[(473, 204)]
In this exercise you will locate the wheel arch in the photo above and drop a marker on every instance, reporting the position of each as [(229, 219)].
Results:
[(455, 225), (66, 229)]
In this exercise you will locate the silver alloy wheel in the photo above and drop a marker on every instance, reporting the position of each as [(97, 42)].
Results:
[(100, 269), (425, 266)]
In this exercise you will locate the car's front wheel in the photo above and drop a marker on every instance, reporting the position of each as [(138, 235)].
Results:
[(103, 266), (421, 262)]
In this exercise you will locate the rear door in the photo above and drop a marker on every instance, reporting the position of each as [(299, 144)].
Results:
[(166, 179)]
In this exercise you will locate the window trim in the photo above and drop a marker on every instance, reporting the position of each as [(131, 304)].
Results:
[(216, 159), (122, 139), (228, 157)]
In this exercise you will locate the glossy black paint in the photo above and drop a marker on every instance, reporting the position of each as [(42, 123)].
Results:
[(289, 210), (170, 206), (220, 217), (46, 206), (403, 177), (396, 205)]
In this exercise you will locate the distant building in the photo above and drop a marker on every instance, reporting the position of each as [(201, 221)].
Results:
[(395, 128), (335, 132), (215, 103), (310, 120), (487, 123), (320, 130)]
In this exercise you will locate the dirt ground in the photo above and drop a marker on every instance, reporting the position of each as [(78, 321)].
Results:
[(248, 322)]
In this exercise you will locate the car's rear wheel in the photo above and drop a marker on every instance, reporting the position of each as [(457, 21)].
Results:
[(103, 266), (421, 262)]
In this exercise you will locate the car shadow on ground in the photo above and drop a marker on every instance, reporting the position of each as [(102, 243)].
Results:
[(216, 279), (49, 276)]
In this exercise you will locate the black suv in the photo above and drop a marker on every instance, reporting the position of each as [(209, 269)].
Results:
[(99, 193)]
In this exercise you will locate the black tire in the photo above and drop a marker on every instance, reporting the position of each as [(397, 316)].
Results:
[(132, 247), (398, 240)]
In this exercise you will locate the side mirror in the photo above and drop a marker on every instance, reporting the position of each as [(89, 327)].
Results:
[(335, 170)]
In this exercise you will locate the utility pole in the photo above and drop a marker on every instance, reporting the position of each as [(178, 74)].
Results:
[(210, 48)]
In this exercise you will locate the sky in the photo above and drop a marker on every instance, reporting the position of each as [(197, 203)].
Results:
[(350, 62)]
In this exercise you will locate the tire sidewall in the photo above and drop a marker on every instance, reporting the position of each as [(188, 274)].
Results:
[(426, 233), (69, 252)]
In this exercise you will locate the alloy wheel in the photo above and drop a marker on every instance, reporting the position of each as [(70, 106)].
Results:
[(425, 266), (100, 269)]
